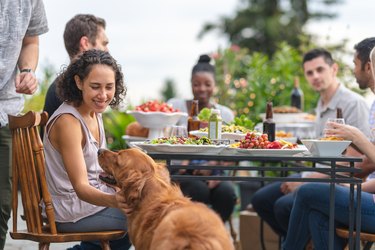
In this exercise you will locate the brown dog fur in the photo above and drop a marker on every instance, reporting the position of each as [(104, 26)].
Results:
[(162, 217)]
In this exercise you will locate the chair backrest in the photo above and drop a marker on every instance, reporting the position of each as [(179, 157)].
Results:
[(29, 173)]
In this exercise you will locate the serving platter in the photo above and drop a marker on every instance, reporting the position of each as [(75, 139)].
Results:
[(270, 152), (178, 148)]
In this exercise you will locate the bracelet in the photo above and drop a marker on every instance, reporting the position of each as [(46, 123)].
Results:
[(26, 70)]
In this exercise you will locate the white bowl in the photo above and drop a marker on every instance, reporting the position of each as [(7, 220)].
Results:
[(156, 121), (326, 147)]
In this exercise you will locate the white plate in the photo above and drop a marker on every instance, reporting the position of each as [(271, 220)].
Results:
[(272, 152), (178, 148), (225, 136), (325, 148), (128, 139)]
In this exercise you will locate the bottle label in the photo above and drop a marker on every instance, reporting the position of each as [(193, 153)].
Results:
[(214, 129)]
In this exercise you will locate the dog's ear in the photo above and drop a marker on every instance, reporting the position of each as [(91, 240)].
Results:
[(132, 187)]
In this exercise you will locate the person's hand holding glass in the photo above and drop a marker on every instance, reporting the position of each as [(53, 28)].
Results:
[(330, 124)]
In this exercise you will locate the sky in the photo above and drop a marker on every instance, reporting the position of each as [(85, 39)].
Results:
[(156, 40)]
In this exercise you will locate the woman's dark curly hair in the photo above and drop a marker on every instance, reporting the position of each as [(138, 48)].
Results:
[(67, 89)]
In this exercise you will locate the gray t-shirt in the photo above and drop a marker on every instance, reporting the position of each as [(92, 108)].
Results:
[(18, 18), (355, 111)]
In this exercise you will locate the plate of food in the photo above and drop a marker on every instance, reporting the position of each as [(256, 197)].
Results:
[(174, 144), (179, 148)]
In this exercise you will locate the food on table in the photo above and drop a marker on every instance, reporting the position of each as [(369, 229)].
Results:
[(230, 129), (135, 129), (182, 140), (331, 138), (309, 117), (283, 134), (254, 140), (235, 145), (286, 109), (156, 106)]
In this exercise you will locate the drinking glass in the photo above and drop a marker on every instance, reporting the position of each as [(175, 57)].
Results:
[(335, 120), (179, 131)]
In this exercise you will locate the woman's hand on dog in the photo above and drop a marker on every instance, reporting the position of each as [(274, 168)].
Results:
[(121, 204)]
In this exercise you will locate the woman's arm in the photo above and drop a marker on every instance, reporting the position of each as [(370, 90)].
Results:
[(369, 186), (69, 143), (355, 135)]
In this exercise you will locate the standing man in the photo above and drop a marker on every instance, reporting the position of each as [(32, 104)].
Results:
[(274, 202), (82, 32), (21, 23)]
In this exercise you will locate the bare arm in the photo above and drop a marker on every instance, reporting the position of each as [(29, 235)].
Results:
[(26, 82), (356, 136), (69, 143)]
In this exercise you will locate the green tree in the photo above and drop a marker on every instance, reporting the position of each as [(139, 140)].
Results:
[(169, 89), (260, 25)]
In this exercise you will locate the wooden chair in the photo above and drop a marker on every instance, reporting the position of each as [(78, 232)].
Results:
[(29, 178), (367, 238)]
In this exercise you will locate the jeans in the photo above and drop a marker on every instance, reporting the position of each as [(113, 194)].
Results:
[(310, 216), (107, 219), (273, 206), (5, 181), (222, 198)]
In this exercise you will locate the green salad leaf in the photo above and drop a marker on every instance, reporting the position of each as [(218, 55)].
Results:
[(244, 121), (204, 115)]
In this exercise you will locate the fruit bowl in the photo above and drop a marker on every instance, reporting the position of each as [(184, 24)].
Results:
[(326, 147), (156, 121)]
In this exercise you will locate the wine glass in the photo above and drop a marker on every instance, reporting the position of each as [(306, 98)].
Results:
[(179, 131), (332, 120)]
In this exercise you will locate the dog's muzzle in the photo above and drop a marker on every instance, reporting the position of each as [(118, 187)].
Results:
[(100, 151)]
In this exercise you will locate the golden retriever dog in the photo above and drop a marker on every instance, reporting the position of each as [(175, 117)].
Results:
[(162, 218)]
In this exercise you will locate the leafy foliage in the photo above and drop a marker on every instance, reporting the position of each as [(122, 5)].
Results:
[(246, 81), (115, 123), (260, 25)]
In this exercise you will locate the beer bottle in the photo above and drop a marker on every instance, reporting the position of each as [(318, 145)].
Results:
[(339, 113), (269, 126), (193, 120)]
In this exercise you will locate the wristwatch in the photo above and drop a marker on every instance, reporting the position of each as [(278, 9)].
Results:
[(26, 70)]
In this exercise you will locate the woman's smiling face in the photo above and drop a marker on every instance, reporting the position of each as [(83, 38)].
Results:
[(98, 88), (203, 85)]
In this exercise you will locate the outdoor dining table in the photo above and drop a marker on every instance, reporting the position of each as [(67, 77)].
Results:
[(336, 171)]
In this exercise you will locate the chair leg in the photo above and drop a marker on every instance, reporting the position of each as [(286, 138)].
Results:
[(43, 246), (368, 245), (105, 245)]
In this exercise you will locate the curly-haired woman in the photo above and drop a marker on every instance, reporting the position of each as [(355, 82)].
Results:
[(74, 133)]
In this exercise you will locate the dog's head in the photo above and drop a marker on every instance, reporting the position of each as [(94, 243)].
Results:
[(135, 173)]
